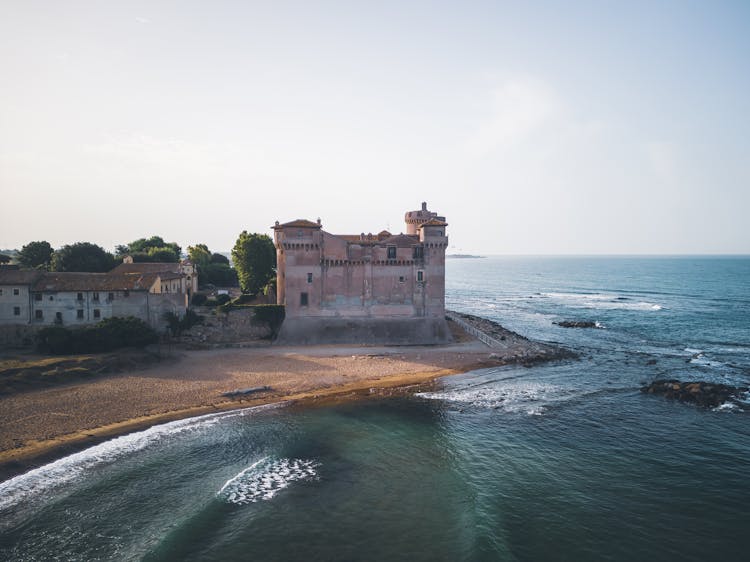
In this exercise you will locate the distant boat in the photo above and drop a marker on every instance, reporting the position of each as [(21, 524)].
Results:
[(462, 256)]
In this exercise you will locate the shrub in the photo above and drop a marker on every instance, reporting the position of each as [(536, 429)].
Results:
[(107, 335), (271, 313), (223, 298), (199, 299), (244, 299), (178, 325)]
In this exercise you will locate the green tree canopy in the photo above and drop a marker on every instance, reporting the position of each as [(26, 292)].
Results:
[(82, 256), (199, 255), (213, 269), (4, 258), (254, 258), (36, 255), (153, 249)]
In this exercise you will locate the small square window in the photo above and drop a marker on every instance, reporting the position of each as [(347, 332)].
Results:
[(401, 279), (303, 299), (38, 296), (309, 277), (16, 311), (391, 252), (38, 314), (16, 292), (79, 314), (97, 313)]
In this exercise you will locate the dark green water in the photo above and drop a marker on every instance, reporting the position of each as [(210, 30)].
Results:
[(565, 461)]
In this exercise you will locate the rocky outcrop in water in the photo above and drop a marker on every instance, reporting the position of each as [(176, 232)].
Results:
[(705, 394), (576, 324)]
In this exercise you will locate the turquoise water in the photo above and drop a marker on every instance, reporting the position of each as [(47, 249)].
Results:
[(563, 461)]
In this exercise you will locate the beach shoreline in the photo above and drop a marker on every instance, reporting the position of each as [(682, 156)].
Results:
[(40, 426)]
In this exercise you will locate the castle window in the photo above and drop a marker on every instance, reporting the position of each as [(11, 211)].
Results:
[(309, 277), (16, 292), (420, 276), (79, 314), (97, 313), (58, 317), (418, 252), (110, 296), (38, 296), (126, 293), (401, 279), (79, 296), (95, 297), (391, 252), (16, 311), (38, 314), (303, 299)]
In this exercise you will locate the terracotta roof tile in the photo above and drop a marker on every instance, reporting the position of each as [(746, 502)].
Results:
[(19, 276), (433, 222), (299, 223), (59, 281), (147, 267)]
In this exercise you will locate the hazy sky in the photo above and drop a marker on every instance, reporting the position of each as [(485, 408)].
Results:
[(535, 127)]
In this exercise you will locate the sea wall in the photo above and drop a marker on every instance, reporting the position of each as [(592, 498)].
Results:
[(364, 331), (236, 325)]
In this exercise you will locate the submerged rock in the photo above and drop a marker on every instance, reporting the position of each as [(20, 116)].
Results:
[(705, 394), (576, 324)]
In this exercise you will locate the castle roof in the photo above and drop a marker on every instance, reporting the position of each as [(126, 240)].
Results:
[(433, 222), (299, 223), (402, 240)]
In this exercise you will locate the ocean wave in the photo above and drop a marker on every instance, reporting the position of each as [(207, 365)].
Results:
[(603, 301), (263, 479), (532, 399), (40, 480)]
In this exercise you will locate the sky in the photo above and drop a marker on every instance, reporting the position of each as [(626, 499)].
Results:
[(559, 127)]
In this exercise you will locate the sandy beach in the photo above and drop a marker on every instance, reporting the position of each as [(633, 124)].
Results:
[(43, 424)]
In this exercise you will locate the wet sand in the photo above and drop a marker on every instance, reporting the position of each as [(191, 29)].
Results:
[(44, 424)]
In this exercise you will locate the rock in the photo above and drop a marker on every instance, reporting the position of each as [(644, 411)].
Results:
[(576, 324), (699, 392)]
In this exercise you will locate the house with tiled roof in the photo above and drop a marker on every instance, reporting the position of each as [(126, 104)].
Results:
[(363, 288), (142, 290)]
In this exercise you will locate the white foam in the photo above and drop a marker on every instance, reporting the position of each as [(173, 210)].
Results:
[(527, 398), (263, 479), (67, 469), (601, 301)]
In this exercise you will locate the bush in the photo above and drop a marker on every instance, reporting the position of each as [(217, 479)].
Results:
[(244, 298), (271, 313), (199, 299), (223, 298), (107, 335), (178, 325)]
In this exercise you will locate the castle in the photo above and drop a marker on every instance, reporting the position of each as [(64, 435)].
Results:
[(364, 288)]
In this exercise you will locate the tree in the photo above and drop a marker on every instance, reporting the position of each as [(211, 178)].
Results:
[(82, 256), (4, 258), (199, 255), (213, 268), (153, 249), (36, 255), (254, 258)]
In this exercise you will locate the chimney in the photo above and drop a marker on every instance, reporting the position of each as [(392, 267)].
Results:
[(424, 205)]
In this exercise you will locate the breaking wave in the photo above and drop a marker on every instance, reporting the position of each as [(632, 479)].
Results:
[(65, 470), (263, 479), (532, 398), (601, 301)]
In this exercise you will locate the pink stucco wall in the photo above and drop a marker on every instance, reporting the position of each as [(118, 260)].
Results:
[(354, 276)]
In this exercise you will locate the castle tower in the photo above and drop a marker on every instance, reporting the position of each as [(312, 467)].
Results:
[(414, 219)]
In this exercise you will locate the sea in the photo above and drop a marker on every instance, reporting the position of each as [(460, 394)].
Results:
[(559, 461)]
